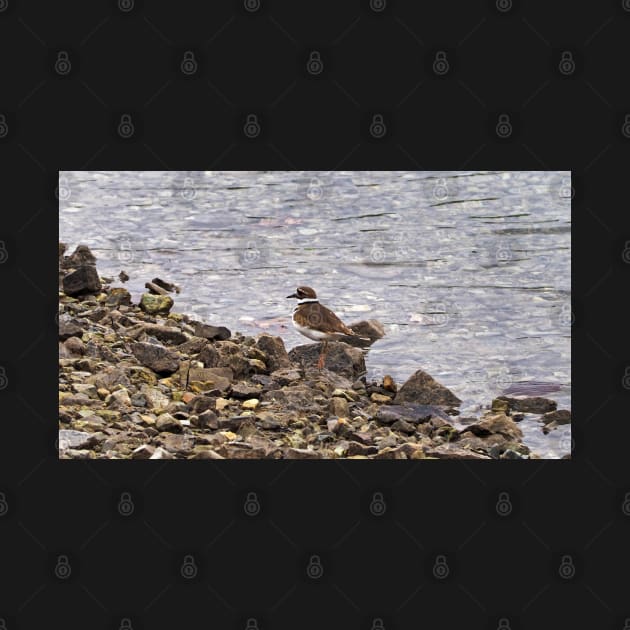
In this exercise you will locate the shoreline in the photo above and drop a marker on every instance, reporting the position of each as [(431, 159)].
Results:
[(140, 381)]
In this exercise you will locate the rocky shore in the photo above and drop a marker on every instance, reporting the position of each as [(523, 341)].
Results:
[(139, 381)]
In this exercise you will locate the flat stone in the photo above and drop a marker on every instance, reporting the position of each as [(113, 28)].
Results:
[(422, 388), (155, 357), (166, 334), (452, 451), (388, 414), (83, 280), (530, 404), (211, 332), (301, 453), (243, 391), (380, 398)]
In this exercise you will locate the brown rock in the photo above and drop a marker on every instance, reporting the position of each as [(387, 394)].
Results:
[(166, 422), (495, 423), (301, 453), (118, 296), (388, 384), (422, 388), (561, 416), (276, 356), (453, 451)]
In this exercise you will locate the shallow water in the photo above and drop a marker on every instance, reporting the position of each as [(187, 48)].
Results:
[(469, 272)]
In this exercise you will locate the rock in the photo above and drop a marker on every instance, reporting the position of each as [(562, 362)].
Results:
[(380, 398), (118, 296), (166, 334), (166, 422), (156, 304), (208, 355), (340, 358), (143, 452), (388, 384), (71, 439), (73, 347), (403, 426), (231, 355), (500, 405), (179, 444), (215, 378), (252, 403), (119, 400), (371, 329), (82, 281), (161, 453), (339, 407), (211, 332), (530, 404), (409, 412), (201, 403), (357, 448), (86, 388), (422, 388), (243, 391), (497, 423), (205, 452), (155, 357), (80, 257), (283, 377), (69, 328), (453, 451), (206, 420), (561, 416), (155, 289), (109, 377), (276, 356), (167, 286), (221, 403)]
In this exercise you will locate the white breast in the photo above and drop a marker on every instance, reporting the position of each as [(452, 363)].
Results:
[(315, 335)]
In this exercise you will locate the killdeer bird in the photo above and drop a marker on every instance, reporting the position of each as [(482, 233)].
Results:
[(317, 322)]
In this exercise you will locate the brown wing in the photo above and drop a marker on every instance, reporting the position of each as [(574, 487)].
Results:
[(321, 318)]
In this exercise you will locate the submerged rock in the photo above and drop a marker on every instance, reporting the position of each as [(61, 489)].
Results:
[(529, 404)]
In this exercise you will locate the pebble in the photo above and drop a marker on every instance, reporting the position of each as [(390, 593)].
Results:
[(252, 403)]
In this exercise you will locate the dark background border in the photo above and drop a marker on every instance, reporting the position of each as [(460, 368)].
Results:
[(70, 71)]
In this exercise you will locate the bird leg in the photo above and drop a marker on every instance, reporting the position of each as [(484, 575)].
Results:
[(322, 356)]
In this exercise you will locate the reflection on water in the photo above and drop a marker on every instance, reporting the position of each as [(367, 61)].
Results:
[(469, 272)]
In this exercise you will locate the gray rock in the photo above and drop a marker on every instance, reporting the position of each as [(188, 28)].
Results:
[(201, 403), (71, 439), (209, 355), (301, 453), (371, 330), (422, 388), (161, 453), (282, 377), (82, 281), (73, 347), (155, 357), (403, 426), (166, 334), (205, 452), (206, 420), (340, 358), (118, 296), (339, 407), (211, 332), (243, 391), (388, 414)]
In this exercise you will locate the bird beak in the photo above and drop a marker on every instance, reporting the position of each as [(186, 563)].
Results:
[(294, 295)]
